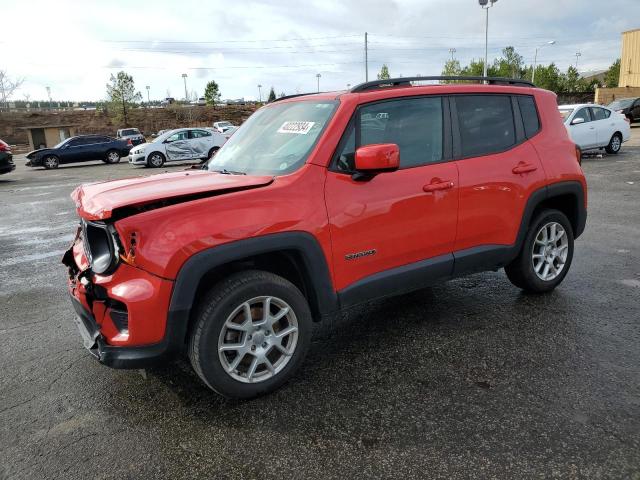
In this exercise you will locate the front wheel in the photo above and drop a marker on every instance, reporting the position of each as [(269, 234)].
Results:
[(251, 334), (50, 162), (211, 153), (546, 254), (614, 144), (155, 160)]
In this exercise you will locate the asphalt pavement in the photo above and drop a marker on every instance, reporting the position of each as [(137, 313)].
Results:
[(470, 379)]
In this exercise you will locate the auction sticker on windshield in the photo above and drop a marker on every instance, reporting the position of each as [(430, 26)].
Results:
[(296, 127)]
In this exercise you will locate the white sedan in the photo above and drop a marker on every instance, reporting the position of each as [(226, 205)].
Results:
[(594, 126), (177, 145)]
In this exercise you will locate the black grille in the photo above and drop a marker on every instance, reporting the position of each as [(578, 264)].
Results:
[(120, 319)]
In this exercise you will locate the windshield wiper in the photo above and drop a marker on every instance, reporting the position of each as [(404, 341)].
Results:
[(224, 171)]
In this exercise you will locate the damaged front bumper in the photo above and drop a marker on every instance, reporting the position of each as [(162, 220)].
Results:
[(121, 317)]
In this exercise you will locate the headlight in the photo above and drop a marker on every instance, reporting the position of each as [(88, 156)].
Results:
[(139, 151), (101, 246)]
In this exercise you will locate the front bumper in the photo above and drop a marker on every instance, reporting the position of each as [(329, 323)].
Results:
[(122, 317), (137, 159)]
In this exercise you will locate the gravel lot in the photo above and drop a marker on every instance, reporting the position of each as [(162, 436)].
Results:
[(471, 379)]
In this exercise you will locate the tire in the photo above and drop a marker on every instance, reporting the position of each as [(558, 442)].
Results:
[(212, 152), (228, 372), (50, 162), (155, 160), (112, 156), (615, 144), (527, 270)]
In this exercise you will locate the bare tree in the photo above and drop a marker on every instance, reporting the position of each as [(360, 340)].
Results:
[(8, 87)]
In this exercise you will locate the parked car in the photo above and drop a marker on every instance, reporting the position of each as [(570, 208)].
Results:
[(593, 126), (305, 212), (81, 148), (201, 101), (629, 107), (177, 145), (223, 126), (167, 101), (6, 158), (132, 134)]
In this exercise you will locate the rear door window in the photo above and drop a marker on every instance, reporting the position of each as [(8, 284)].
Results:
[(486, 124), (599, 113)]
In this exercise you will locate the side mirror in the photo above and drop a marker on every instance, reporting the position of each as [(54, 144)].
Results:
[(377, 158), (577, 121)]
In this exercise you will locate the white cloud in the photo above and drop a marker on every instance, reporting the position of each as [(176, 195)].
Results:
[(242, 44)]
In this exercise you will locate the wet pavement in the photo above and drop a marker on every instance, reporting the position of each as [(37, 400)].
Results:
[(470, 379)]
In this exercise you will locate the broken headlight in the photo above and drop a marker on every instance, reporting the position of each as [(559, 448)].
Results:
[(101, 246)]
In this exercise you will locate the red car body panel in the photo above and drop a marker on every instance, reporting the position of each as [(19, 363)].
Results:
[(96, 201), (394, 219)]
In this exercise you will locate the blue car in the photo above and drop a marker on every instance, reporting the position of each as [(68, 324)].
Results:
[(82, 148)]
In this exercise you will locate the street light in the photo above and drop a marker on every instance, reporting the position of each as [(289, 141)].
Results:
[(486, 5), (535, 58), (186, 95), (260, 93), (578, 55), (318, 77), (148, 87)]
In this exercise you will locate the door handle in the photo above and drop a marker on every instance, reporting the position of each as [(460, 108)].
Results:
[(435, 186), (524, 168)]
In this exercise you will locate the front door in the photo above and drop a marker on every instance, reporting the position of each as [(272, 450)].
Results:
[(583, 134), (386, 228), (178, 146)]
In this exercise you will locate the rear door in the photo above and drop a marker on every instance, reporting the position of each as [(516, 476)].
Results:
[(605, 126), (498, 169), (383, 227), (201, 142), (72, 151)]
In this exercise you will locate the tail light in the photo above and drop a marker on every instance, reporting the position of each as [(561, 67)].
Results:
[(578, 155), (4, 147), (129, 142), (626, 119)]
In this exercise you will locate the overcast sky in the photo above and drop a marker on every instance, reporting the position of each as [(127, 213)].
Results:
[(73, 47)]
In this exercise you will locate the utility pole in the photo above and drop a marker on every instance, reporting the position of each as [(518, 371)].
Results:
[(49, 95), (366, 57), (148, 101), (260, 93), (452, 51), (578, 55), (485, 5), (186, 95), (318, 77)]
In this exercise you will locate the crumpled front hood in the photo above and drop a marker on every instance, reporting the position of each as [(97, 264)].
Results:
[(33, 153), (98, 201)]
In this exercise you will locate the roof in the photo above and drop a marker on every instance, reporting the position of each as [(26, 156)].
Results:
[(633, 30), (579, 105), (60, 125)]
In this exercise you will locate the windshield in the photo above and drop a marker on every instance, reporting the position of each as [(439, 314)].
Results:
[(275, 140), (621, 104), (565, 113), (62, 143), (224, 124)]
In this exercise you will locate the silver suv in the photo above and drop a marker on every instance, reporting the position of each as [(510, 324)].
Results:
[(132, 134)]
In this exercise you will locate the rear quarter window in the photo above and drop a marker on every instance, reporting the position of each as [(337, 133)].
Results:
[(529, 114)]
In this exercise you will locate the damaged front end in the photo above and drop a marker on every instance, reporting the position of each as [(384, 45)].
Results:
[(121, 310)]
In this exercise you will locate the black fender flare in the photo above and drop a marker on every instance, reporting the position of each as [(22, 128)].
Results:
[(322, 295)]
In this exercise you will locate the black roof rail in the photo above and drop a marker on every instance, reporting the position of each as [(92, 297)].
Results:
[(292, 96), (406, 81)]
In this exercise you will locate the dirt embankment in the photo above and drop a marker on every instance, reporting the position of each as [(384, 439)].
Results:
[(149, 120)]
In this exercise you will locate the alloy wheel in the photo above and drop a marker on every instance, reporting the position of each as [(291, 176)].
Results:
[(615, 143), (258, 339), (50, 162), (550, 250), (114, 157), (156, 160)]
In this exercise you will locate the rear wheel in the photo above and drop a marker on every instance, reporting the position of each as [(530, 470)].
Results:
[(50, 161), (546, 254), (155, 160), (252, 333), (614, 144), (112, 156)]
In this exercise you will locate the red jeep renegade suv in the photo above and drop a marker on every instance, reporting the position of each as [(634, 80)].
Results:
[(316, 204)]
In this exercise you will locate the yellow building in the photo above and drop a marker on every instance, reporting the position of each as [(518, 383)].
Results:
[(630, 60), (46, 136)]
